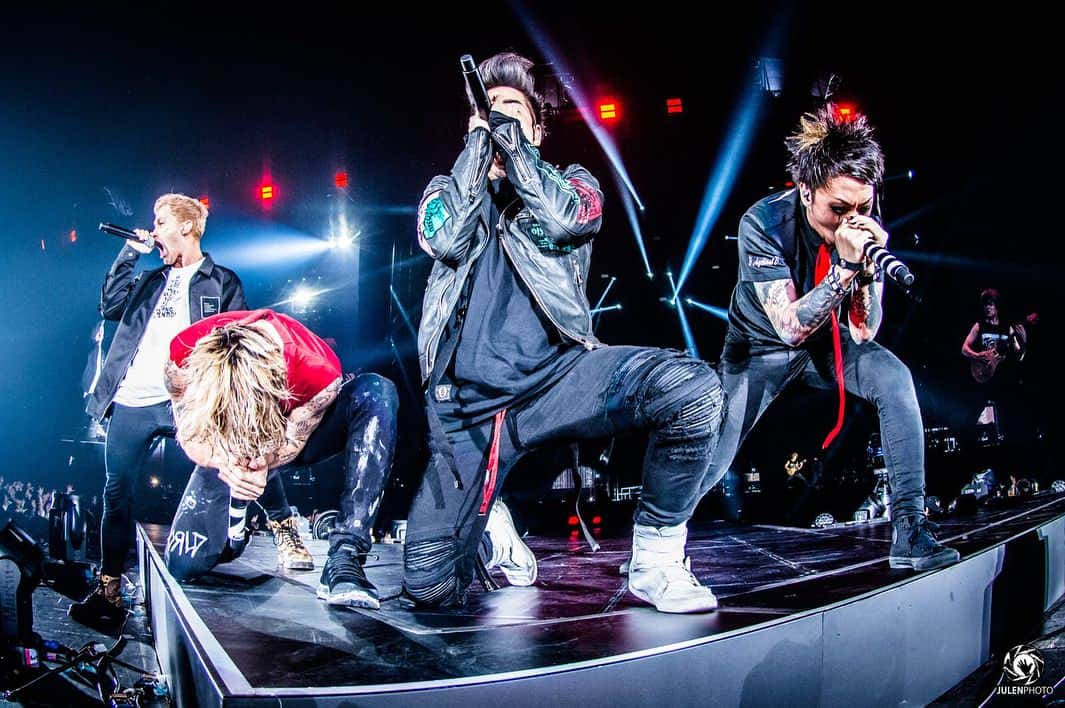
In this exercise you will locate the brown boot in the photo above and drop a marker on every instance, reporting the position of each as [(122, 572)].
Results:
[(291, 553), (102, 606)]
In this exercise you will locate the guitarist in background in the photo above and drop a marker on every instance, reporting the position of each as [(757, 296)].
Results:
[(991, 341), (995, 349)]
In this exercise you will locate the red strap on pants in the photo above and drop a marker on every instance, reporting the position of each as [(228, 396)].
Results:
[(824, 262), (493, 462)]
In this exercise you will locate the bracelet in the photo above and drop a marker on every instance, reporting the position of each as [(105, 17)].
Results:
[(832, 278), (856, 267), (864, 278)]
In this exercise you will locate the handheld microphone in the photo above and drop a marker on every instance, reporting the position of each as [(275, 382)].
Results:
[(888, 263), (475, 85), (120, 231)]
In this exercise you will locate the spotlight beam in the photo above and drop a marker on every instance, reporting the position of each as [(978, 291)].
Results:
[(718, 312), (403, 314), (723, 176), (634, 221), (686, 330), (581, 99), (605, 291)]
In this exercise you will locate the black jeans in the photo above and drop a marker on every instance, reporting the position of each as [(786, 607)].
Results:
[(130, 436), (870, 372), (361, 423), (609, 390)]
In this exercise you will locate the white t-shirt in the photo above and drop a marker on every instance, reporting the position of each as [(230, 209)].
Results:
[(143, 384)]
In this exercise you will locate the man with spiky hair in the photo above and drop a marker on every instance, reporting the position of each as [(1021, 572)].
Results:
[(511, 364), (801, 268)]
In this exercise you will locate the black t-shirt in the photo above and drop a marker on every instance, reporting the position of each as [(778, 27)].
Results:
[(992, 336), (775, 243), (507, 349)]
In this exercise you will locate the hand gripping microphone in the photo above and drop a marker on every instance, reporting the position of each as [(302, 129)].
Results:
[(475, 85), (121, 232)]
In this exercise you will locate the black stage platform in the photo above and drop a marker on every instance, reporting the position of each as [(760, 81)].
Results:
[(807, 617)]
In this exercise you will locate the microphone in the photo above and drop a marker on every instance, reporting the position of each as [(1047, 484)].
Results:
[(475, 85), (121, 232), (888, 263)]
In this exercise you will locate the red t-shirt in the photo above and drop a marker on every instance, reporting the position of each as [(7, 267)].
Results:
[(311, 365)]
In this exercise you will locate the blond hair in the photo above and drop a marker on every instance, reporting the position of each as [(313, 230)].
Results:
[(185, 208), (237, 383)]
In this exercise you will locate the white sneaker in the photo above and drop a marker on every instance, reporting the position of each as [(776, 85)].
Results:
[(509, 552), (660, 575)]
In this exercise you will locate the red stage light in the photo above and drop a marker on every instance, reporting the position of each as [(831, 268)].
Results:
[(73, 235), (205, 201), (674, 105), (609, 110), (340, 179), (846, 112), (596, 520), (573, 521), (266, 192)]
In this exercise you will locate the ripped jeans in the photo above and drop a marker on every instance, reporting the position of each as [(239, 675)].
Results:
[(609, 390), (361, 424)]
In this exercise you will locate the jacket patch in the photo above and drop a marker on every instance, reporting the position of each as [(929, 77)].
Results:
[(436, 215), (535, 231), (210, 305), (591, 208)]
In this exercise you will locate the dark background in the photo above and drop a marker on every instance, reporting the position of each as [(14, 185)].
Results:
[(103, 108)]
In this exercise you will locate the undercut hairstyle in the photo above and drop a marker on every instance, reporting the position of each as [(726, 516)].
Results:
[(515, 71), (185, 208), (237, 384), (830, 143)]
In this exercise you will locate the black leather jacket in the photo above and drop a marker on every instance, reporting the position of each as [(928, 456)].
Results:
[(546, 234), (131, 301)]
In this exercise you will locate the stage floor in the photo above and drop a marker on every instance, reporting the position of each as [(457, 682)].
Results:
[(278, 635)]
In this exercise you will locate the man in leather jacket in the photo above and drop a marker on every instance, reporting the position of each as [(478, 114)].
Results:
[(510, 363)]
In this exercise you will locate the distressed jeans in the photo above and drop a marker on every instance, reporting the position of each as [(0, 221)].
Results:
[(609, 390)]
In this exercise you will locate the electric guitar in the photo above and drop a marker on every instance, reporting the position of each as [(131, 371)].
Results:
[(983, 369)]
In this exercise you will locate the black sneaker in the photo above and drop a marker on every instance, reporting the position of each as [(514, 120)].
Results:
[(103, 606), (913, 545), (344, 581)]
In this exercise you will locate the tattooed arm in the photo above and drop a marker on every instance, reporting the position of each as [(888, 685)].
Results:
[(302, 422), (866, 312), (865, 307), (795, 318)]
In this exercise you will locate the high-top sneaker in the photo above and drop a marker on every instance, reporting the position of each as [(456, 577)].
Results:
[(508, 552), (344, 581), (913, 545), (659, 574), (291, 553)]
